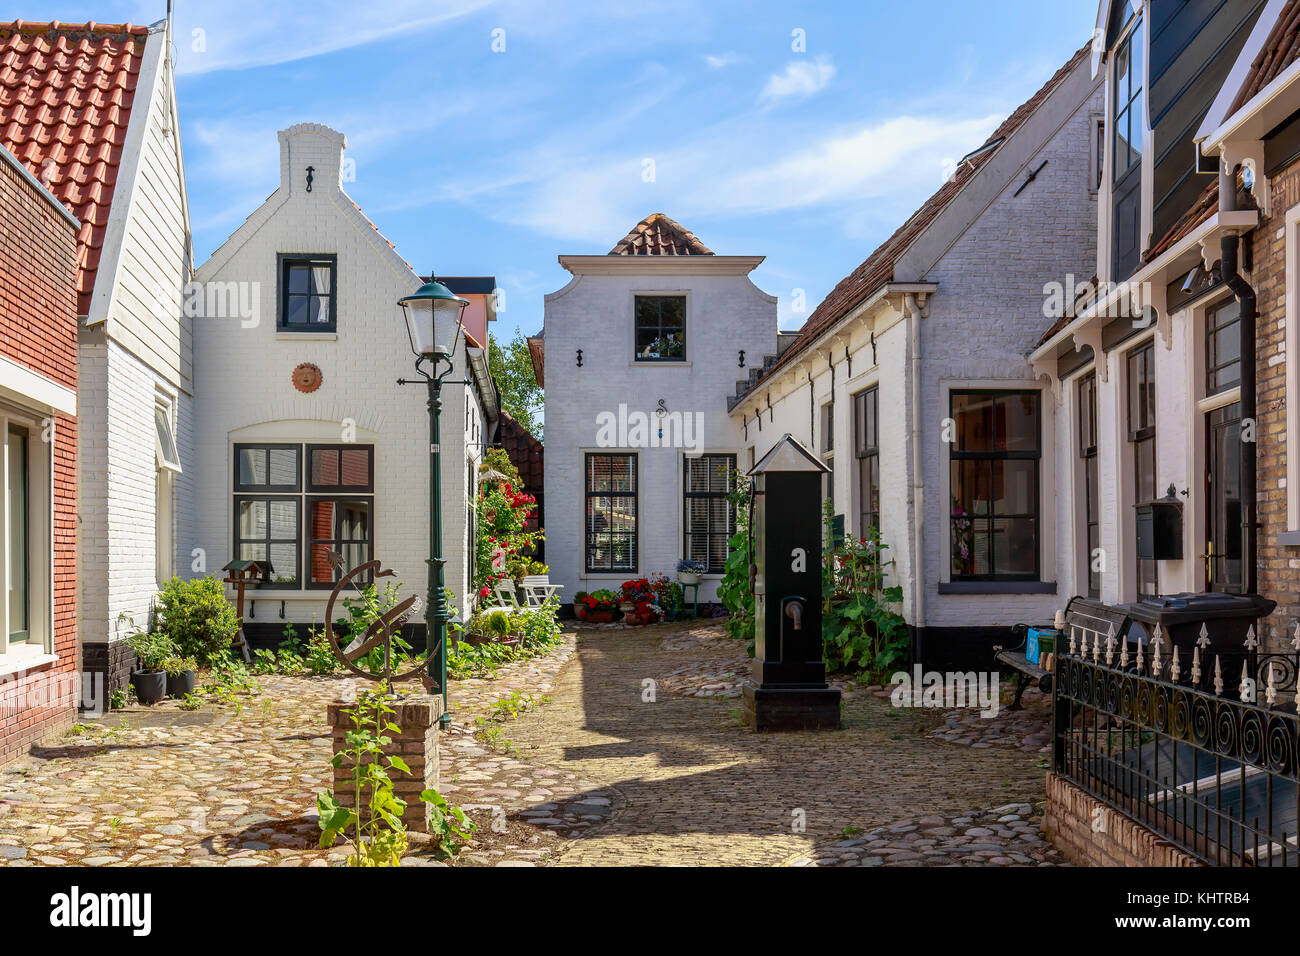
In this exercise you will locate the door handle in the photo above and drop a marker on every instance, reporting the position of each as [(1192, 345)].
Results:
[(1209, 557)]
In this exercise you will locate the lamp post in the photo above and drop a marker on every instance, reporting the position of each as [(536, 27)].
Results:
[(433, 326)]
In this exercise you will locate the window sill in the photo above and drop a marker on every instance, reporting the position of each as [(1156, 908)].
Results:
[(997, 587), (31, 655), (281, 336), (673, 364), (1289, 539)]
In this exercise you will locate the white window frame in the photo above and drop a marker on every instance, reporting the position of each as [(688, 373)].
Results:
[(39, 647)]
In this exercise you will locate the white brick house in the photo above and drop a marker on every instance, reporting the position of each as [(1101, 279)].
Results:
[(304, 440), (897, 373), (104, 137), (660, 323)]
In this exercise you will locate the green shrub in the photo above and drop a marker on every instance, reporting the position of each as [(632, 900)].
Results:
[(152, 649), (196, 617)]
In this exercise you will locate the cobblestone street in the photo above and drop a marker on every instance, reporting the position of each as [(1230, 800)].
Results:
[(588, 773)]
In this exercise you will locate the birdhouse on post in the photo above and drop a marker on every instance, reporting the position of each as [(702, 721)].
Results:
[(788, 688)]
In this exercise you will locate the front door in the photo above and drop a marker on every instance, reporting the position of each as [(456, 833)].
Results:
[(1223, 499)]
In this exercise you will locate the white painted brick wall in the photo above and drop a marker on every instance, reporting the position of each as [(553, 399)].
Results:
[(594, 313), (244, 391)]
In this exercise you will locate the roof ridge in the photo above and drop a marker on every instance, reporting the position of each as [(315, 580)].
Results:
[(658, 234), (89, 27)]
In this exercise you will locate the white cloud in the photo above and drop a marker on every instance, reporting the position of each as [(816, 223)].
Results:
[(239, 34), (801, 78), (718, 61)]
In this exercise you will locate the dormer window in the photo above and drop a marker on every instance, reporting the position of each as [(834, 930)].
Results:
[(660, 333), (307, 293)]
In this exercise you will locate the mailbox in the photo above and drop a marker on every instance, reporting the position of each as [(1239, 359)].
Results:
[(788, 688), (1160, 528)]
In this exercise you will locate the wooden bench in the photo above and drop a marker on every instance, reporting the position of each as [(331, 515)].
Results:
[(1083, 617)]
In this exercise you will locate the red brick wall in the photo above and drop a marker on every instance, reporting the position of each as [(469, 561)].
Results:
[(38, 329), (1089, 833), (1279, 567)]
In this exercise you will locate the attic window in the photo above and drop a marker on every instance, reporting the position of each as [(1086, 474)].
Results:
[(308, 293), (986, 148), (165, 442)]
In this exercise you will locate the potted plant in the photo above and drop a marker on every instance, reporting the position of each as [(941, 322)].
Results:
[(151, 651), (601, 606), (580, 605), (180, 676), (688, 571)]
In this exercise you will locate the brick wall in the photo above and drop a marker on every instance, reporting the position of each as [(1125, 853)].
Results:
[(1279, 566), (38, 329), (1091, 834)]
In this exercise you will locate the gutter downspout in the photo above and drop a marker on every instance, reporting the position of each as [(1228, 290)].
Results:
[(1230, 248), (915, 306)]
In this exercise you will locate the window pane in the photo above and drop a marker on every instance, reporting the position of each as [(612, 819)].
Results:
[(18, 536), (1015, 488), (296, 310), (354, 521), (1017, 422), (355, 467), (252, 466), (284, 520), (318, 310), (970, 487), (284, 466), (252, 551), (1015, 546), (299, 279), (973, 413), (320, 279), (252, 519), (284, 563), (324, 467)]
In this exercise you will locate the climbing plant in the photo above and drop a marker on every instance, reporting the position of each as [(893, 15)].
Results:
[(504, 548)]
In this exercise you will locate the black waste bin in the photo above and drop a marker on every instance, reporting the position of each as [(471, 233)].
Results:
[(1225, 617)]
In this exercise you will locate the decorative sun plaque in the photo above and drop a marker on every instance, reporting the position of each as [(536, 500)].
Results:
[(307, 377)]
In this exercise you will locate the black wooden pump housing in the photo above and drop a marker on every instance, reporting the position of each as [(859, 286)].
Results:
[(788, 688)]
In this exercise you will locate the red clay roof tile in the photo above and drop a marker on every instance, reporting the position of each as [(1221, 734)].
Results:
[(66, 91), (1279, 51), (660, 235)]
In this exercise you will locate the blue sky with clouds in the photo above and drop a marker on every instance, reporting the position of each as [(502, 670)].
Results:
[(476, 160)]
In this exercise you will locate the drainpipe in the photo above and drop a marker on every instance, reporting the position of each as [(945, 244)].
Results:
[(914, 304), (1230, 247)]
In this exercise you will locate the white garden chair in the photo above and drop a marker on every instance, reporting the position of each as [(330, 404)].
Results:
[(538, 589), (504, 592)]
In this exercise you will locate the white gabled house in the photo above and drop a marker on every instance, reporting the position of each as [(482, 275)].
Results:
[(910, 380), (640, 349), (93, 115), (304, 441)]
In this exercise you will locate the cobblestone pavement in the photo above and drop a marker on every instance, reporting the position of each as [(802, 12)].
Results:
[(689, 784), (236, 785), (588, 773)]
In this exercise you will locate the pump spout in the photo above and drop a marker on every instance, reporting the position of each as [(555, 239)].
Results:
[(794, 611)]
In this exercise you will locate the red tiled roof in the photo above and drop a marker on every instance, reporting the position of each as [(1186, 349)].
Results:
[(524, 451), (1280, 50), (66, 91), (878, 268), (659, 235)]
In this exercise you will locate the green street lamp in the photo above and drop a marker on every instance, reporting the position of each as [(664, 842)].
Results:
[(433, 326)]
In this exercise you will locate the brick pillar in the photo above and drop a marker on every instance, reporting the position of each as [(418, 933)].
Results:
[(417, 744)]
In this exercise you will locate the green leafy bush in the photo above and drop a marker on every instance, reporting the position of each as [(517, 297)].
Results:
[(152, 649), (861, 627), (734, 590), (196, 617)]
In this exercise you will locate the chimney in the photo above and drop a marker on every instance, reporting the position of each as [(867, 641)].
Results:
[(315, 146)]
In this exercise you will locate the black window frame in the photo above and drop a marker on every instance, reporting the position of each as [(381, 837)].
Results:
[(688, 496), (268, 581), (303, 492), (1214, 368), (339, 489), (992, 456), (659, 326), (1133, 106), (1087, 451), (866, 453), (1142, 438), (284, 261), (633, 536), (268, 488)]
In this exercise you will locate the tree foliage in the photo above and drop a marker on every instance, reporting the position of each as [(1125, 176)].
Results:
[(512, 369)]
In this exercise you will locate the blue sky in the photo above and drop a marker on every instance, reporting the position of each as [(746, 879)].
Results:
[(476, 160)]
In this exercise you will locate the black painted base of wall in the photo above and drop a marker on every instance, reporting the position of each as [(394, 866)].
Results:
[(958, 648), (114, 661)]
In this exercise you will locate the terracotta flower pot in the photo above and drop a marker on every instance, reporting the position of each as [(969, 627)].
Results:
[(600, 617)]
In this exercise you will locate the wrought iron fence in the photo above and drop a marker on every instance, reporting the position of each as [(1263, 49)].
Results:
[(1209, 766)]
